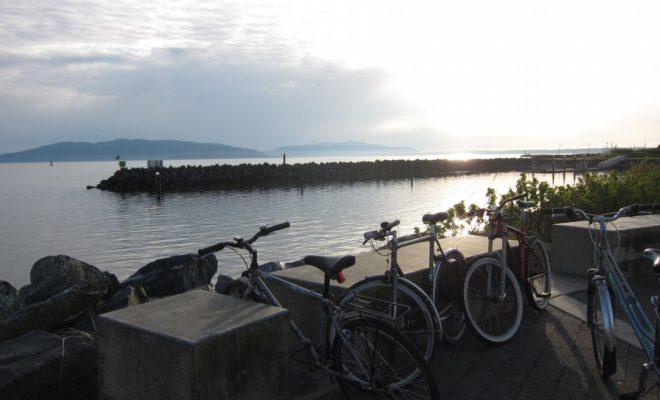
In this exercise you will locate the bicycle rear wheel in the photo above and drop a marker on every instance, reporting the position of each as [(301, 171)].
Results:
[(418, 324), (600, 320), (447, 295), (494, 316), (537, 275), (379, 363)]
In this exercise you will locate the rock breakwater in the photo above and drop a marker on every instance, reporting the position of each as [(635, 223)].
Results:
[(223, 177)]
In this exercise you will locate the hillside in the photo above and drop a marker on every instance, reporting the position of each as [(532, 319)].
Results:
[(137, 149)]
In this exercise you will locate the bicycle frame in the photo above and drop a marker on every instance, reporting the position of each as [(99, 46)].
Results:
[(498, 229), (608, 278), (609, 268), (332, 311), (396, 245)]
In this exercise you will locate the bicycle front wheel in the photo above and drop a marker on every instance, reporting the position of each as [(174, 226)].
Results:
[(494, 312), (537, 275), (418, 324), (447, 295), (600, 320), (377, 362)]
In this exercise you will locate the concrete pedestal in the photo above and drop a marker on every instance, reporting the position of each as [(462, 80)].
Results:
[(197, 345), (572, 247)]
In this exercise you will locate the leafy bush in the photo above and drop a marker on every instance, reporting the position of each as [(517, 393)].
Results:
[(594, 192)]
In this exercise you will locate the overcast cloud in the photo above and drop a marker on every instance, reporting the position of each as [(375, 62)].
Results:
[(267, 74)]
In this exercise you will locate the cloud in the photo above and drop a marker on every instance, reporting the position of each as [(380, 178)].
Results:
[(188, 94)]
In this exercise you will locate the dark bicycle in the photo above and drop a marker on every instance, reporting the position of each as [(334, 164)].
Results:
[(491, 293), (367, 354)]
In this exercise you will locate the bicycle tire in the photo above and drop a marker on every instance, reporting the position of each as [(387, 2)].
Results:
[(492, 320), (420, 323), (377, 361), (537, 275), (447, 281), (600, 319)]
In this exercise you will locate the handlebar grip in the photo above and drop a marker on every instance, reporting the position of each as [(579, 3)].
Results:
[(514, 198), (370, 235), (211, 249), (479, 212), (387, 226), (269, 229), (568, 211)]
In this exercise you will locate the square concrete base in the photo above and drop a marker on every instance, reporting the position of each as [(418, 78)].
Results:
[(573, 249), (197, 345)]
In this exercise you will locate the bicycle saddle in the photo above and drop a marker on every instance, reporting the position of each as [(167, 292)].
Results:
[(525, 204), (429, 218), (331, 266), (654, 256)]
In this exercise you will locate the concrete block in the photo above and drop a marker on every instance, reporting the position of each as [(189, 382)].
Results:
[(572, 246), (198, 345)]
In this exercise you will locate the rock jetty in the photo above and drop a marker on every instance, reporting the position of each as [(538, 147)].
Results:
[(223, 177)]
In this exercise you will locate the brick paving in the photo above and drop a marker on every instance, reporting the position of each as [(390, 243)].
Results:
[(551, 357)]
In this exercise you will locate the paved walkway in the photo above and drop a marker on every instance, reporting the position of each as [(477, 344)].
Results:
[(550, 358)]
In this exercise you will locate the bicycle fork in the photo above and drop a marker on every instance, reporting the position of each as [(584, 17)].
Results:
[(500, 290)]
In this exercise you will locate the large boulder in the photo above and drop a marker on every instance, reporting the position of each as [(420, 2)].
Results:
[(174, 275), (40, 365), (54, 274), (61, 290), (8, 296), (56, 312)]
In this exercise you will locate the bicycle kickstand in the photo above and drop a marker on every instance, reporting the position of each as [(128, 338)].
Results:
[(642, 389)]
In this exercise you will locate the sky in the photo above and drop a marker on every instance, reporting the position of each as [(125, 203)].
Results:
[(433, 75)]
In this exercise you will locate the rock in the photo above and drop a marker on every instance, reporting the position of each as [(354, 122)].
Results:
[(55, 312), (61, 290), (222, 282), (40, 365), (8, 296), (174, 275), (54, 274), (126, 297)]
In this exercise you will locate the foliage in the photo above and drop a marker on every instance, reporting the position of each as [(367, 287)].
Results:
[(594, 192)]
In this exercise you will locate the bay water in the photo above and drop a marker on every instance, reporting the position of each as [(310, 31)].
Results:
[(47, 210)]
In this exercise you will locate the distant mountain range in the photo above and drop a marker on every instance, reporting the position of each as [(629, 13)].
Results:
[(140, 149)]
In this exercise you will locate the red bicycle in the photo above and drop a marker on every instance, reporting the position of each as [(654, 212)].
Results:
[(491, 293)]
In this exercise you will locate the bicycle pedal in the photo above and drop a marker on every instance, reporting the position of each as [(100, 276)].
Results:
[(543, 295)]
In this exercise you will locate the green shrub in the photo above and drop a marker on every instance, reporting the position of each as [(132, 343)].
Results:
[(594, 192)]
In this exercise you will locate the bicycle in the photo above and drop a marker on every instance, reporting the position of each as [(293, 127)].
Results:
[(366, 354), (607, 281), (424, 320), (491, 293)]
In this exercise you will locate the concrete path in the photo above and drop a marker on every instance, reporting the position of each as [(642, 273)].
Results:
[(550, 358)]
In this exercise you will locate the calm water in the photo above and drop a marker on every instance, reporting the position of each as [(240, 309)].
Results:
[(47, 211)]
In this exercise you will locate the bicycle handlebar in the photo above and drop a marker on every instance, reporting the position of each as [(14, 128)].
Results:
[(387, 226), (573, 212), (270, 229), (240, 243), (514, 198), (497, 209), (380, 234)]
